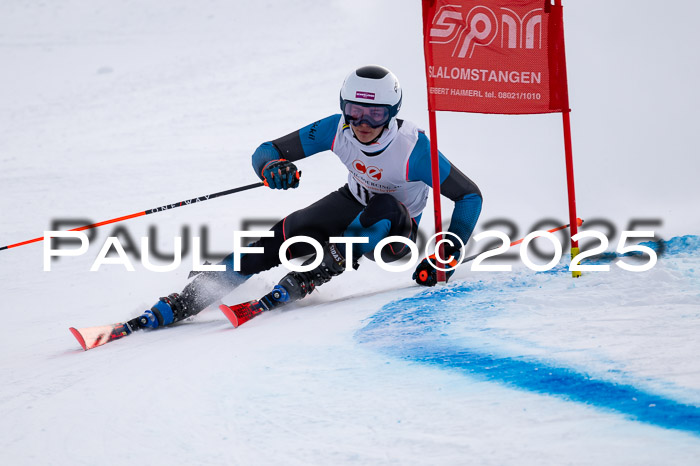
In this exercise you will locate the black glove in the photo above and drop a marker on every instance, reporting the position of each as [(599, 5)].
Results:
[(281, 174), (426, 274)]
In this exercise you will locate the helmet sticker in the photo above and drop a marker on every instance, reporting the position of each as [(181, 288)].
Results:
[(364, 95)]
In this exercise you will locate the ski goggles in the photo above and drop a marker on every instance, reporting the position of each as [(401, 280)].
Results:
[(373, 115)]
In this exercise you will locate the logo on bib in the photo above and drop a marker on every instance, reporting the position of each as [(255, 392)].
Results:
[(371, 172), (374, 173)]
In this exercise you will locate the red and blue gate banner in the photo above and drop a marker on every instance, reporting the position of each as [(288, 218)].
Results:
[(495, 56)]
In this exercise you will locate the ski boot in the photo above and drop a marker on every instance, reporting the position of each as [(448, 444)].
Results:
[(299, 284), (294, 286), (206, 288)]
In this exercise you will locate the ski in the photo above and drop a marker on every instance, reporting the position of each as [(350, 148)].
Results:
[(92, 337), (238, 314)]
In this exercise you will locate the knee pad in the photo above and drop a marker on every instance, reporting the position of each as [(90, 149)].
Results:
[(385, 207)]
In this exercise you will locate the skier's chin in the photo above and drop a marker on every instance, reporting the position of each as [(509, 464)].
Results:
[(364, 135)]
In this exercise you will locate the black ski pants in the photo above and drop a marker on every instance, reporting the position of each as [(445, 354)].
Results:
[(330, 216)]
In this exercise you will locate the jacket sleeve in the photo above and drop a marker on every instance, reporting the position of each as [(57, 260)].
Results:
[(454, 185), (311, 139)]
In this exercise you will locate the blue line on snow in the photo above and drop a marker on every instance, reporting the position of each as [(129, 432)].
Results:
[(412, 329), (541, 378)]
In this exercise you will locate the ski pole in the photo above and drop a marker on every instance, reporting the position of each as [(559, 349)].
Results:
[(149, 211), (579, 222)]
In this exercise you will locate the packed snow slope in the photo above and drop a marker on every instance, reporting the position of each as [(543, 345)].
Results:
[(111, 108)]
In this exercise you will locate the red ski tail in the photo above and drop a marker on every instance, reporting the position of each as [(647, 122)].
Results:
[(78, 337), (239, 314), (92, 337)]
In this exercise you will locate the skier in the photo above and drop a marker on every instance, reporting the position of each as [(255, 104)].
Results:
[(389, 176)]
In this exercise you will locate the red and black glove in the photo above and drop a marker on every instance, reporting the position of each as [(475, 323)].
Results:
[(426, 273), (280, 174)]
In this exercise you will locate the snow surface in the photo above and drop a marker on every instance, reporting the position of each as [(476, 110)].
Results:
[(110, 108)]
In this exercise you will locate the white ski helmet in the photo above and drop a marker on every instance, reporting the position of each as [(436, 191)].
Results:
[(371, 86)]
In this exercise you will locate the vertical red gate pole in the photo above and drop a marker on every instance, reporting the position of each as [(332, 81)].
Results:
[(435, 167), (557, 18), (573, 225)]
